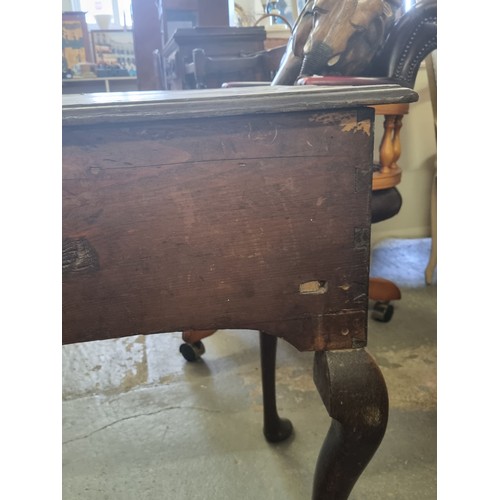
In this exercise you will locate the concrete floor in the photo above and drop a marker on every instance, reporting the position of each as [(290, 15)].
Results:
[(139, 422)]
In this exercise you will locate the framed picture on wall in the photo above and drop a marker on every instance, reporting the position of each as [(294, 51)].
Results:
[(75, 41), (113, 53)]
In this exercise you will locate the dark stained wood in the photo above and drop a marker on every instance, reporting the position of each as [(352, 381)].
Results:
[(149, 26), (276, 429), (209, 12), (241, 207), (231, 213), (214, 72), (355, 396), (147, 40), (127, 107), (231, 53), (213, 12), (232, 208)]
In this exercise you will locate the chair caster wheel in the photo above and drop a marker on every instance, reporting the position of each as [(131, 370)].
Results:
[(382, 311), (192, 352)]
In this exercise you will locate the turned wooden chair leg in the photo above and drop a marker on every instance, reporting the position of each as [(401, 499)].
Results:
[(275, 428), (386, 151), (355, 395), (396, 139)]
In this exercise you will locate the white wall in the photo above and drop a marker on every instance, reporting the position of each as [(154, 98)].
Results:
[(254, 8), (418, 153), (67, 6)]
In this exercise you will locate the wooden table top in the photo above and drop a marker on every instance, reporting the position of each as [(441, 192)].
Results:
[(158, 105)]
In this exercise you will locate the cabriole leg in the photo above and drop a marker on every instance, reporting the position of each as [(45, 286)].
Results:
[(355, 395), (275, 428)]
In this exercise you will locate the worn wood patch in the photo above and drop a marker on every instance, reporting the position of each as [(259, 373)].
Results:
[(78, 256)]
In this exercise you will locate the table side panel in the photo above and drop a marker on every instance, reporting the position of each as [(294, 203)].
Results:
[(216, 223)]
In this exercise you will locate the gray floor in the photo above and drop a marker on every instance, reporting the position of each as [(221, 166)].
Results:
[(141, 423)]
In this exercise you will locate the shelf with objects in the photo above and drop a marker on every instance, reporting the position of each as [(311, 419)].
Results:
[(90, 85), (97, 61)]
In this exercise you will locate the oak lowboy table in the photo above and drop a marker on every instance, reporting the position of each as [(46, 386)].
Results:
[(233, 208)]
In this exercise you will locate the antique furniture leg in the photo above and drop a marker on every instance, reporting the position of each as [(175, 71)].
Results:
[(354, 393), (275, 428), (193, 347)]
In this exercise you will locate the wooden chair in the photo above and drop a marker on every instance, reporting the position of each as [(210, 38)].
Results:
[(206, 57), (204, 69)]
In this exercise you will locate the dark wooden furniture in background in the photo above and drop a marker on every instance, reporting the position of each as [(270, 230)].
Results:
[(147, 42), (199, 12), (153, 26), (207, 57), (232, 208), (171, 55)]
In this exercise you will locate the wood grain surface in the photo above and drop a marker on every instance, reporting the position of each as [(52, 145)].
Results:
[(249, 221)]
